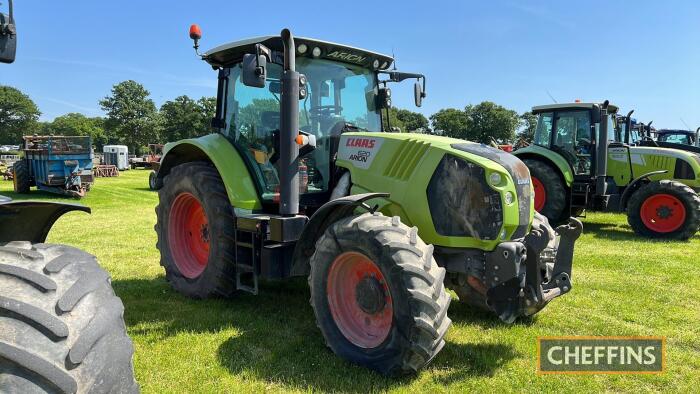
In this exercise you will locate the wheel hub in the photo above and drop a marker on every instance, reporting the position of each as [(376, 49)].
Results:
[(370, 295), (664, 212)]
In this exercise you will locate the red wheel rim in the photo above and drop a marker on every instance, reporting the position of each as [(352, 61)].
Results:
[(188, 235), (663, 213), (540, 194), (359, 300)]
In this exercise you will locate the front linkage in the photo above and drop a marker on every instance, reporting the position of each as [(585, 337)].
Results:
[(523, 276)]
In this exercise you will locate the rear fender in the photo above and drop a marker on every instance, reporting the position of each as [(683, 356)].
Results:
[(329, 213), (548, 156), (215, 149), (31, 220)]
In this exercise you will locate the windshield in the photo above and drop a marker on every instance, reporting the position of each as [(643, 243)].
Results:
[(677, 138), (338, 93)]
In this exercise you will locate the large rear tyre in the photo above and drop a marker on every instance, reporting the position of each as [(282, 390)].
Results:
[(378, 294), (195, 232), (20, 177), (664, 209), (61, 325), (550, 191)]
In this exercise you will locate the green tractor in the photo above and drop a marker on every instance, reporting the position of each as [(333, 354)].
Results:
[(300, 180), (581, 158)]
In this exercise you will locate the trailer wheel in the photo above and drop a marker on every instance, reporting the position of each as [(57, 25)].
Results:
[(154, 183), (664, 209), (195, 232), (61, 325), (550, 192), (378, 294), (20, 177)]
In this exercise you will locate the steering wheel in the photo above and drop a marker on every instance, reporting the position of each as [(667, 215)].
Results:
[(325, 110)]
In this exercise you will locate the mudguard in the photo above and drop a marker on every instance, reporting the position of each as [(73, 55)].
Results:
[(31, 220), (549, 156), (634, 185), (329, 213), (216, 149)]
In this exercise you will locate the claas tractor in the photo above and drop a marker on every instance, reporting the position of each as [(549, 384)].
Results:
[(582, 158), (301, 179)]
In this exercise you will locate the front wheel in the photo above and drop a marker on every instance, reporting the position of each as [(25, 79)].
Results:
[(378, 294), (20, 177), (664, 209)]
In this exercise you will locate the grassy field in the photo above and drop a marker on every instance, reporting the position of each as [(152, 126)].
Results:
[(623, 285)]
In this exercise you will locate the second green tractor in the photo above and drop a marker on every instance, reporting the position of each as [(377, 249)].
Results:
[(582, 158), (302, 179)]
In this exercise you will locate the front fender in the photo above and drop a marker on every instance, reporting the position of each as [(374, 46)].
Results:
[(547, 155), (216, 149), (634, 185), (31, 220), (329, 213)]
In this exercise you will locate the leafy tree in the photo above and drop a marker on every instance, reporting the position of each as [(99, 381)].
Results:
[(450, 122), (78, 124), (527, 126), (131, 115), (19, 115), (477, 123), (412, 121), (187, 118), (489, 120)]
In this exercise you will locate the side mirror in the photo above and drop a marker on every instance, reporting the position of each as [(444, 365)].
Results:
[(418, 93), (254, 70), (8, 37)]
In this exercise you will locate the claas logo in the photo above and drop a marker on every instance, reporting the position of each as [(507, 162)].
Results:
[(360, 143)]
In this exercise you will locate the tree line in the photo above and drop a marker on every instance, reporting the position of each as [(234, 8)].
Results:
[(133, 119)]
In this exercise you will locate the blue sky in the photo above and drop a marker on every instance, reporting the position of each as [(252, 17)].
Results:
[(638, 54)]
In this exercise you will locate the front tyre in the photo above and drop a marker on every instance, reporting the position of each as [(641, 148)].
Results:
[(664, 209), (195, 232), (154, 183), (378, 294)]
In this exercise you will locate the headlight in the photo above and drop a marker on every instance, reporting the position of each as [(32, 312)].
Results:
[(495, 178), (509, 197)]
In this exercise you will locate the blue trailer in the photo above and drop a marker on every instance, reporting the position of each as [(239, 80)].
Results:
[(56, 164)]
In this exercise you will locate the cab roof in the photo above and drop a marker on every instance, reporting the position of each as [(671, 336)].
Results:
[(674, 131), (233, 52), (560, 106)]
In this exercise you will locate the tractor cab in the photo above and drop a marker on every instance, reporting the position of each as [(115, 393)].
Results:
[(682, 137), (342, 89)]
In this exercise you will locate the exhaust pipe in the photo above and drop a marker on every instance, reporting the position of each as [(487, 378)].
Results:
[(289, 129), (602, 153), (628, 127), (697, 137)]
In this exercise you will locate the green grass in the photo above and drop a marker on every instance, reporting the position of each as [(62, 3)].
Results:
[(623, 285)]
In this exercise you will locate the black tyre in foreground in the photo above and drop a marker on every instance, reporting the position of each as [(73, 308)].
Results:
[(550, 193), (378, 294), (61, 325), (20, 177), (664, 209), (195, 232)]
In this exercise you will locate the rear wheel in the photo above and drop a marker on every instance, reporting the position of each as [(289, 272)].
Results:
[(195, 231), (20, 177), (550, 191), (664, 209), (61, 325), (378, 294)]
